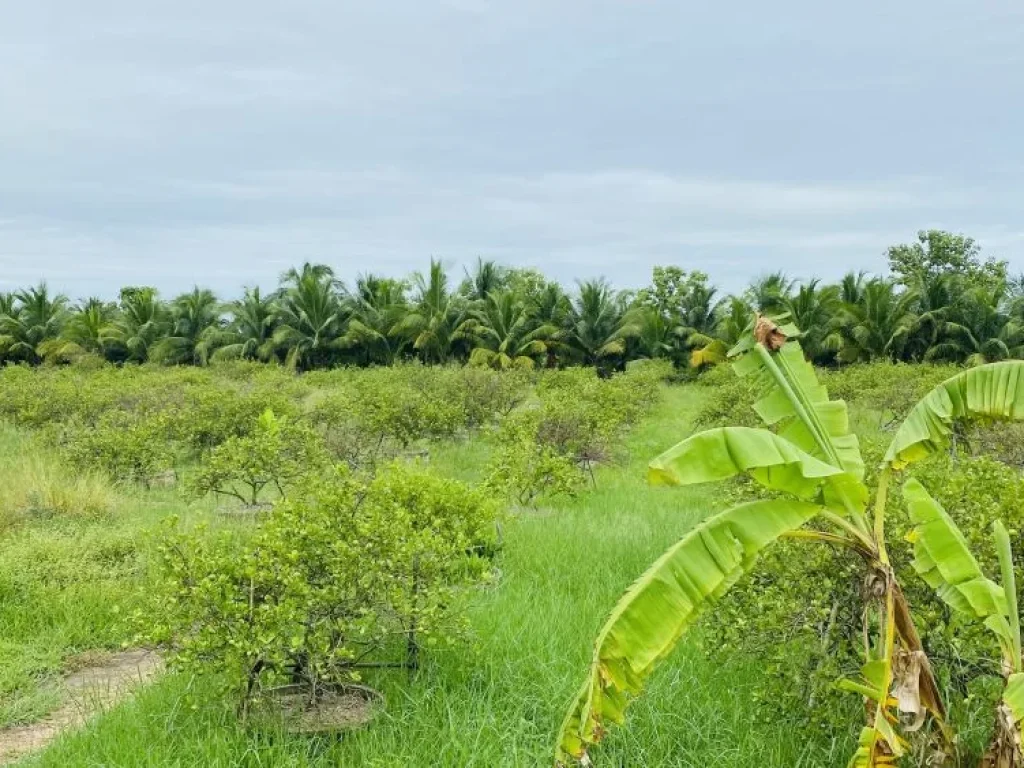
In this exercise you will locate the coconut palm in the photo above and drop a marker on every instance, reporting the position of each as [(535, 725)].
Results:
[(32, 318), (82, 333), (249, 335), (292, 277), (504, 333), (310, 320), (732, 319), (879, 326), (375, 309), (550, 305), (933, 304), (657, 336), (599, 323), (141, 322), (767, 293), (488, 277), (435, 316), (851, 287), (196, 319), (814, 309), (982, 331)]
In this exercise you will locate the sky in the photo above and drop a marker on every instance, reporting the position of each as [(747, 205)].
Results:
[(220, 142)]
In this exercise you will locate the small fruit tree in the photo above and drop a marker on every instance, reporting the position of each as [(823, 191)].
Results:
[(349, 575), (275, 455)]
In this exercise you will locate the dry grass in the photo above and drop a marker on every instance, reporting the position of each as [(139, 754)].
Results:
[(34, 483)]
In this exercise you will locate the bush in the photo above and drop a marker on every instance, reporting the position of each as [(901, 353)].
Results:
[(211, 415), (488, 395), (347, 575), (126, 447), (730, 401), (551, 448), (887, 389), (276, 454), (523, 467)]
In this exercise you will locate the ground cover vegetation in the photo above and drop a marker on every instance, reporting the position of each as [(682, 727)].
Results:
[(94, 559)]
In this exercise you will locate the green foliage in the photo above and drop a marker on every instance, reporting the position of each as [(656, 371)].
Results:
[(346, 575), (943, 301), (888, 389), (550, 448), (938, 253), (649, 619), (809, 451), (127, 448), (799, 613), (276, 455), (524, 468), (730, 401)]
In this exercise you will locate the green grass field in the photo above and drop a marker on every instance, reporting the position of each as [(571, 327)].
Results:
[(495, 702)]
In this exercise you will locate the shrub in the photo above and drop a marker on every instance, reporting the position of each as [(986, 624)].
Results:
[(888, 389), (212, 415), (523, 467), (126, 447), (488, 395), (277, 454), (326, 584), (730, 401)]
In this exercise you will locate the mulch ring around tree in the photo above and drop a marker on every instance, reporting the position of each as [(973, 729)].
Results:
[(335, 710)]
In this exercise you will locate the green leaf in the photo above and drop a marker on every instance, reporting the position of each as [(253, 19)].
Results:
[(1013, 695), (719, 454), (993, 391), (943, 559), (776, 409), (654, 613), (877, 745)]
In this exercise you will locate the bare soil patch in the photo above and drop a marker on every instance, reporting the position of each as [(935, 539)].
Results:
[(99, 682)]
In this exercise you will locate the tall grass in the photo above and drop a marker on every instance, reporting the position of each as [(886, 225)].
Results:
[(35, 483)]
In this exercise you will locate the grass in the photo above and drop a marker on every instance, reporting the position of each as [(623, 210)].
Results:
[(494, 703)]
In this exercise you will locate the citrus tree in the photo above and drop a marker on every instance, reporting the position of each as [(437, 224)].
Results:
[(811, 460)]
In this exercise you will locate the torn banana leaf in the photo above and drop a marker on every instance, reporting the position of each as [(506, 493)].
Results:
[(719, 454), (943, 559), (656, 610), (994, 391)]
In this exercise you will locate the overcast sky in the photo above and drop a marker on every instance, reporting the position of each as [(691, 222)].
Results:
[(219, 142)]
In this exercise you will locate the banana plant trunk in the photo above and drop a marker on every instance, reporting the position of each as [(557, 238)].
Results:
[(1006, 748)]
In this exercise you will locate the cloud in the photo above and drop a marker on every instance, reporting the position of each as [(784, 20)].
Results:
[(188, 142), (617, 223)]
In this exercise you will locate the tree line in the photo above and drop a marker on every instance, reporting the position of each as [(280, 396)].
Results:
[(941, 301)]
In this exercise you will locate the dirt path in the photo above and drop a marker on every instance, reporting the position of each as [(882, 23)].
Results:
[(88, 692)]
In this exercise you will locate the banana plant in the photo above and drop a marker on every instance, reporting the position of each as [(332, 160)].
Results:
[(943, 559), (809, 453)]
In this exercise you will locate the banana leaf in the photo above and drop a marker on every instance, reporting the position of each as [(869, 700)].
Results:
[(943, 559), (1013, 696), (994, 391), (719, 454), (776, 408), (656, 610)]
